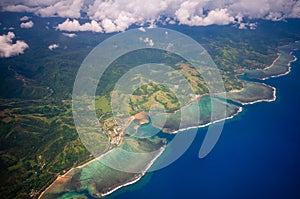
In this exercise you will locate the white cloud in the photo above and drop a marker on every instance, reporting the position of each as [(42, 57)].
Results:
[(219, 17), (188, 14), (48, 8), (172, 22), (118, 15), (28, 24), (251, 26), (108, 26), (74, 25), (53, 46), (142, 29), (71, 35), (65, 8), (148, 41), (24, 18), (19, 8), (242, 26), (296, 11), (8, 48)]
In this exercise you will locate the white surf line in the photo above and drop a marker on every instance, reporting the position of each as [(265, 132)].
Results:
[(285, 73), (263, 100), (274, 89), (213, 122), (141, 175)]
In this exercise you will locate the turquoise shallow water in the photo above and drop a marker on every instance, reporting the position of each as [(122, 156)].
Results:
[(257, 156)]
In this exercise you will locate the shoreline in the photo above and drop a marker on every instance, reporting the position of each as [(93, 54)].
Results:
[(263, 100), (58, 176), (283, 74), (240, 109), (210, 123), (162, 149), (70, 170), (273, 76)]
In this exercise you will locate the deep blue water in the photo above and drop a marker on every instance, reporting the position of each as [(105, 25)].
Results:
[(257, 156)]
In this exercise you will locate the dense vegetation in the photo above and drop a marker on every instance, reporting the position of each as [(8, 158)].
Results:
[(38, 139)]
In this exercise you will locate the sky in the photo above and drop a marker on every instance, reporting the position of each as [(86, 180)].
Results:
[(106, 16), (117, 15)]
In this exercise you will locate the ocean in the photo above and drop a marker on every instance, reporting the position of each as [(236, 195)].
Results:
[(257, 155)]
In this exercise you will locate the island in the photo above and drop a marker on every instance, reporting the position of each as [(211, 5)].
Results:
[(42, 155), (98, 180)]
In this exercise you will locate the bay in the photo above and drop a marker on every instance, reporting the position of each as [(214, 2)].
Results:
[(257, 156)]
